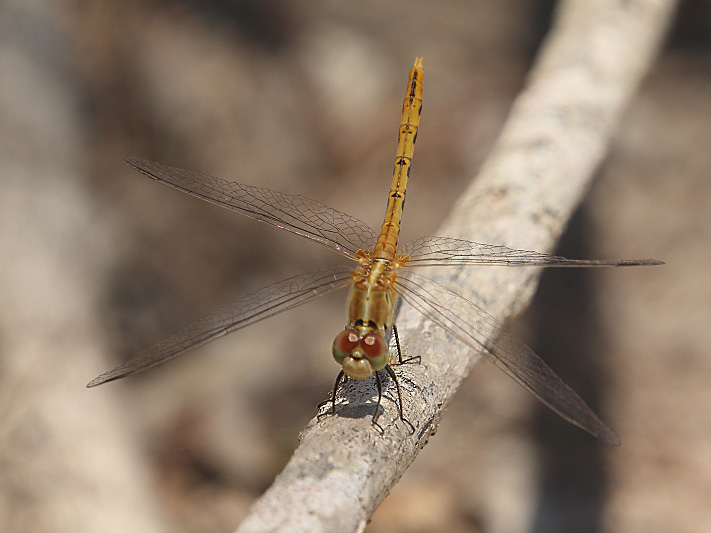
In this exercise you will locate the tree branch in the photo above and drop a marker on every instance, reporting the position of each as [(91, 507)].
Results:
[(542, 164)]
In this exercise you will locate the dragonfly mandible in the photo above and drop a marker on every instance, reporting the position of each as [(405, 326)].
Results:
[(383, 272)]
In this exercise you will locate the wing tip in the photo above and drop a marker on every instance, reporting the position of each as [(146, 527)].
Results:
[(106, 377), (610, 437), (100, 380), (641, 262), (131, 160)]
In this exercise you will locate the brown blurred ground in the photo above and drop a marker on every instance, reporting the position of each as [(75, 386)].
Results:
[(305, 98)]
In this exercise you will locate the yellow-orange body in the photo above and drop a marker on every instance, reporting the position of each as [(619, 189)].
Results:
[(386, 246), (371, 303)]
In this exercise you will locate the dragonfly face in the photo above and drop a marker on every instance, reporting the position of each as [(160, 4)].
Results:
[(361, 351)]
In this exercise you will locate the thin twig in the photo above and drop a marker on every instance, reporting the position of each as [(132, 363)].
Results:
[(557, 134)]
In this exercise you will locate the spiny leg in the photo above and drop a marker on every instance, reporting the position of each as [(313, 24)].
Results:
[(376, 415), (391, 373), (340, 378), (400, 361)]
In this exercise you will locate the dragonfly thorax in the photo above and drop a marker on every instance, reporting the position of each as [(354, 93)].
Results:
[(371, 301)]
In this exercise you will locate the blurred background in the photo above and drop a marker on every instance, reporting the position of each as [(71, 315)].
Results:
[(98, 262)]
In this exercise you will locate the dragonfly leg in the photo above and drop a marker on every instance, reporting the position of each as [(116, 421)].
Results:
[(400, 361), (391, 373), (379, 383), (341, 378)]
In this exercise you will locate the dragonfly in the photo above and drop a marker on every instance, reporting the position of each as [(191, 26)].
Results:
[(380, 273)]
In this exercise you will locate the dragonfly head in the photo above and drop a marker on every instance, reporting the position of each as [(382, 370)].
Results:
[(360, 353)]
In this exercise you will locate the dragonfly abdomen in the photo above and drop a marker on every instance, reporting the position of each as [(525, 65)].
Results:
[(386, 246)]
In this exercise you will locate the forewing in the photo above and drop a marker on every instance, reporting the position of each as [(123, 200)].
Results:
[(476, 328), (257, 306), (429, 251), (295, 213)]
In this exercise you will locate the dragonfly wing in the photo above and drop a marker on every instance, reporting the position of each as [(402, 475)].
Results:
[(479, 330), (257, 306), (295, 213), (428, 251)]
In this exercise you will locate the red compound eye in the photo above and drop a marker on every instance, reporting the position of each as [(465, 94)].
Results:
[(374, 346), (344, 343), (347, 340)]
